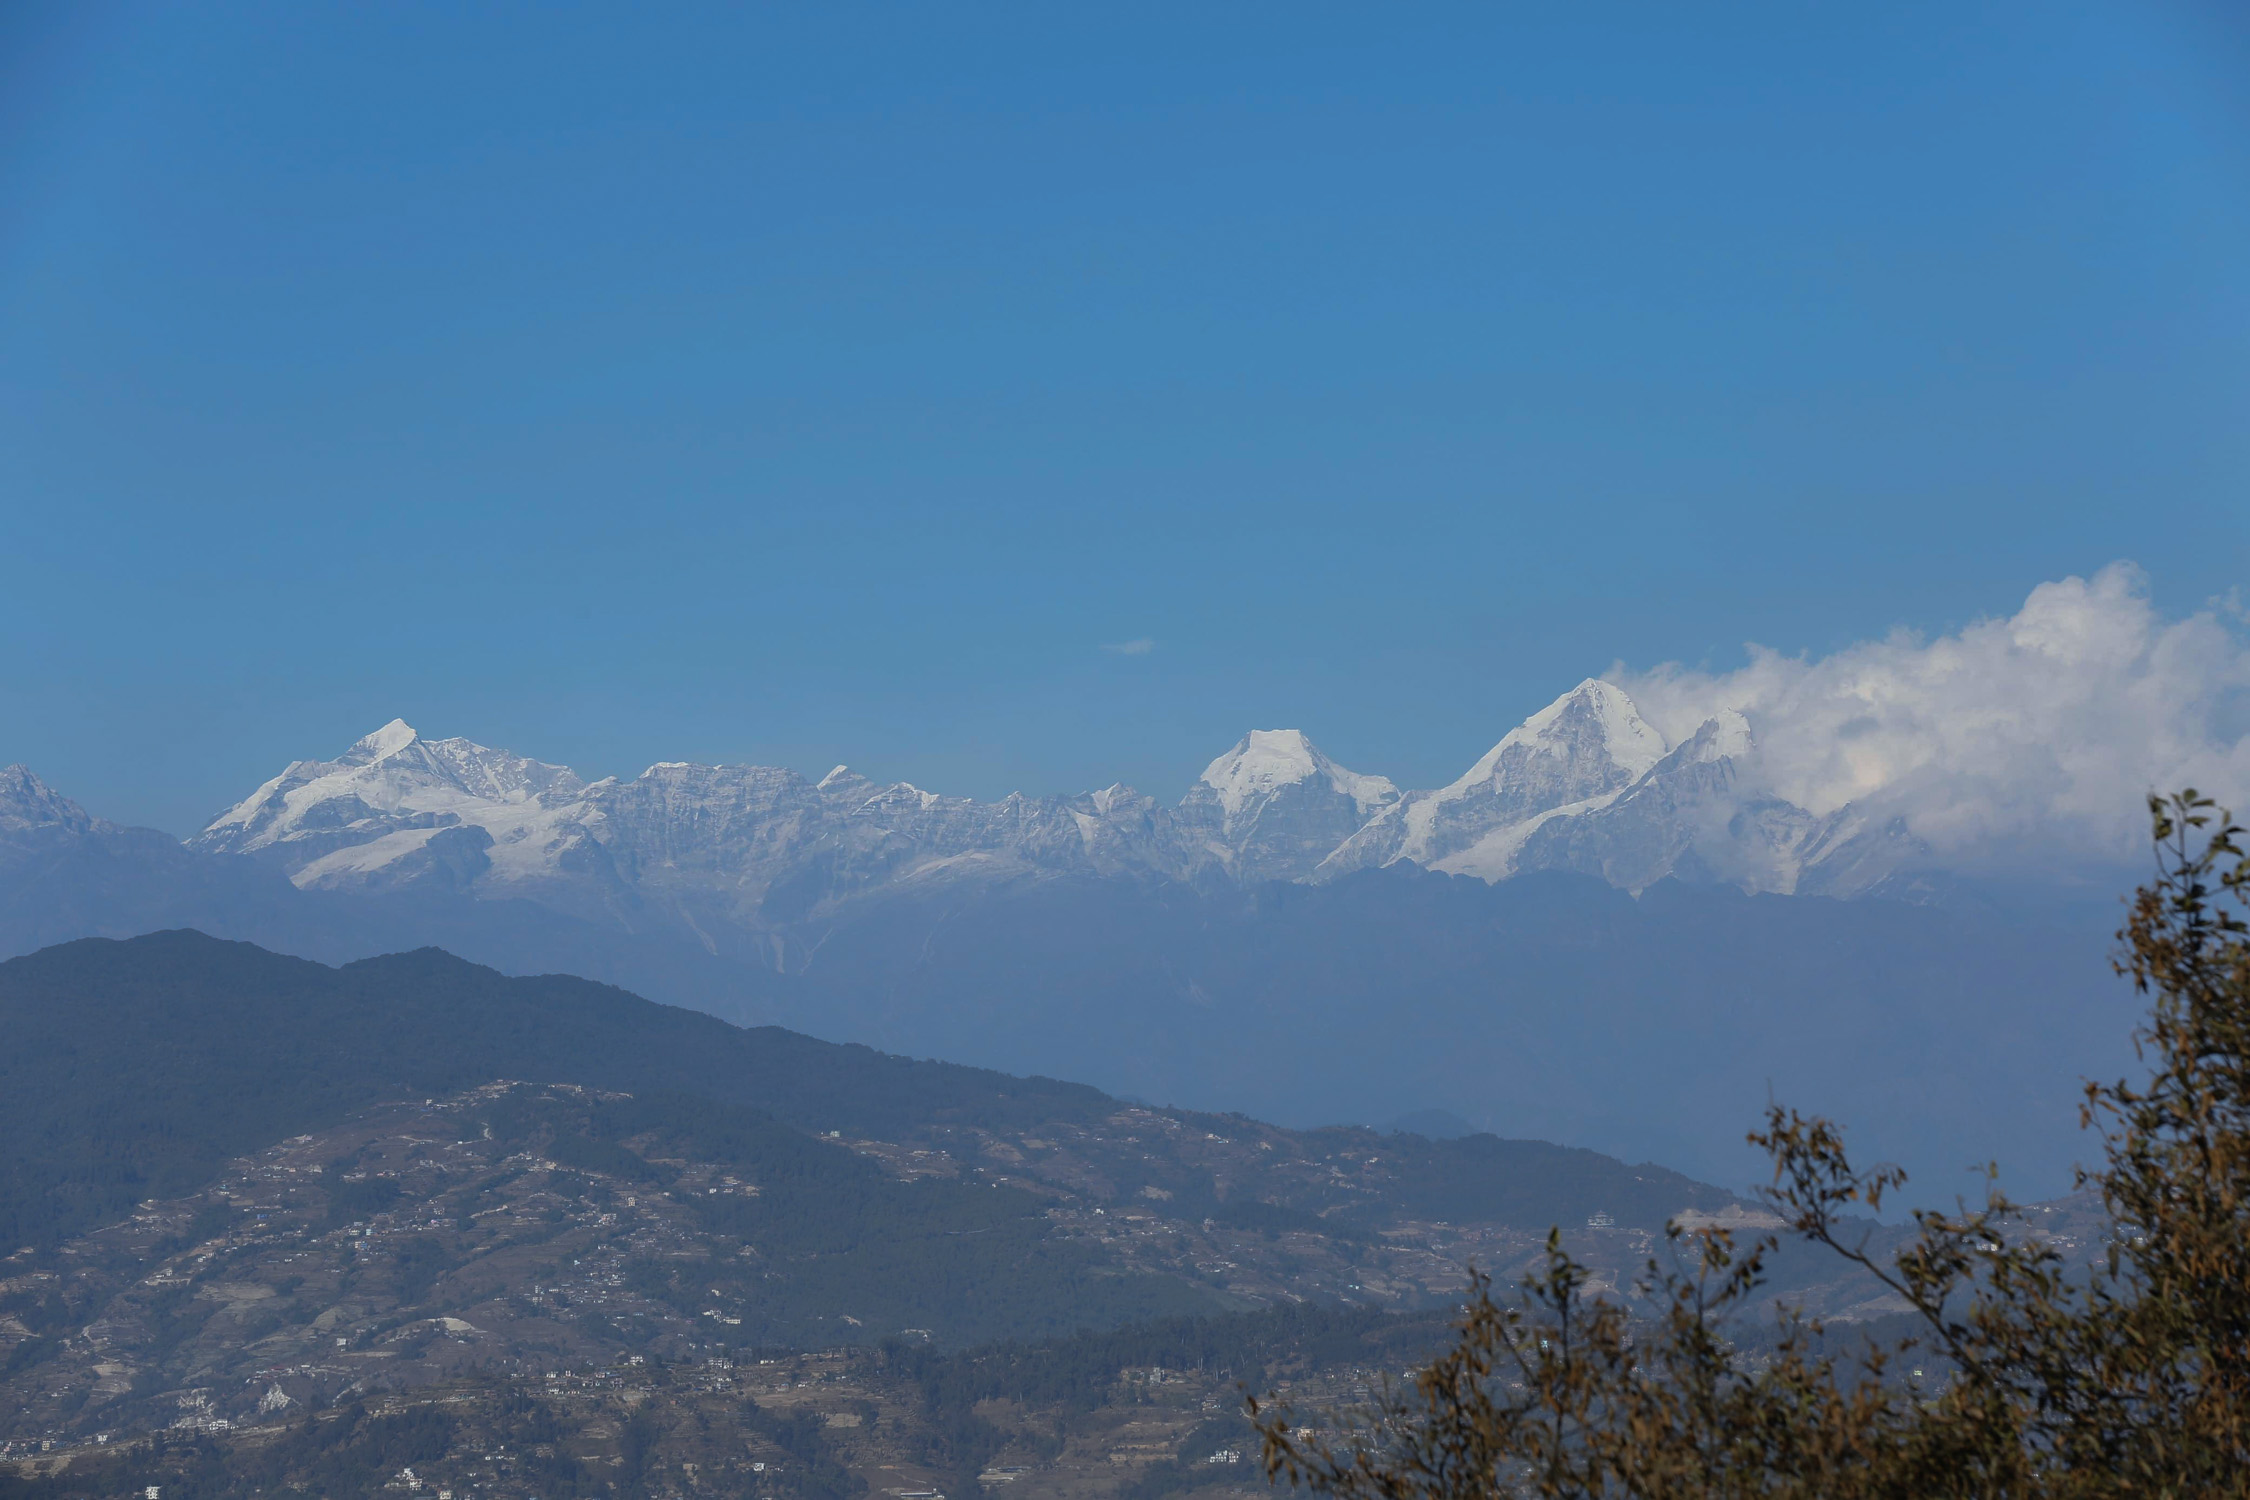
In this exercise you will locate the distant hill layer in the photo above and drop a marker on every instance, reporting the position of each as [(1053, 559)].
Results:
[(236, 1172), (136, 1068)]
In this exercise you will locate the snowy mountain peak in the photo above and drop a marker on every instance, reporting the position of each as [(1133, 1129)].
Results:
[(392, 799), (1260, 761), (1724, 736), (20, 786), (845, 787), (1574, 756), (1594, 727), (1266, 760), (27, 802), (381, 745), (1274, 805)]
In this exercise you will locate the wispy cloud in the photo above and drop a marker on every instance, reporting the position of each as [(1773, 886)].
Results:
[(2045, 728), (1141, 647)]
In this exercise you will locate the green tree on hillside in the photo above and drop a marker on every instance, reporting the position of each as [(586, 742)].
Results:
[(2129, 1377)]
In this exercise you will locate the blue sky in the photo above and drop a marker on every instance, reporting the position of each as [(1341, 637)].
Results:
[(635, 383)]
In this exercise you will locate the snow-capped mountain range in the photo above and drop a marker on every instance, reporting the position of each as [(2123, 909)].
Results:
[(1585, 784)]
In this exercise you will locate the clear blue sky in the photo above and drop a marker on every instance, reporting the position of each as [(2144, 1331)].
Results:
[(632, 383)]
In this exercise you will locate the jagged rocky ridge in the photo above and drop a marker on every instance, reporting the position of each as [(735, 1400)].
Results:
[(1585, 785)]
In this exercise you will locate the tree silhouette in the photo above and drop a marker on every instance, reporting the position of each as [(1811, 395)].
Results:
[(2127, 1377)]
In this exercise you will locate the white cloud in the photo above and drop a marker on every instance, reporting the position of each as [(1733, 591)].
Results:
[(1141, 647), (2040, 732)]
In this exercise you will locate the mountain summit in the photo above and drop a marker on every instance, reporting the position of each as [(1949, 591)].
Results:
[(395, 807), (1572, 758), (29, 807), (1279, 805)]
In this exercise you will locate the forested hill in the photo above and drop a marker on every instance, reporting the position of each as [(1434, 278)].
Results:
[(134, 1069)]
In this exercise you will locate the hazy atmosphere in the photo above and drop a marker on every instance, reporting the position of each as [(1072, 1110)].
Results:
[(873, 752)]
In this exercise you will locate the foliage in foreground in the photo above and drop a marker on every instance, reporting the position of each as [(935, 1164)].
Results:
[(2129, 1377)]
